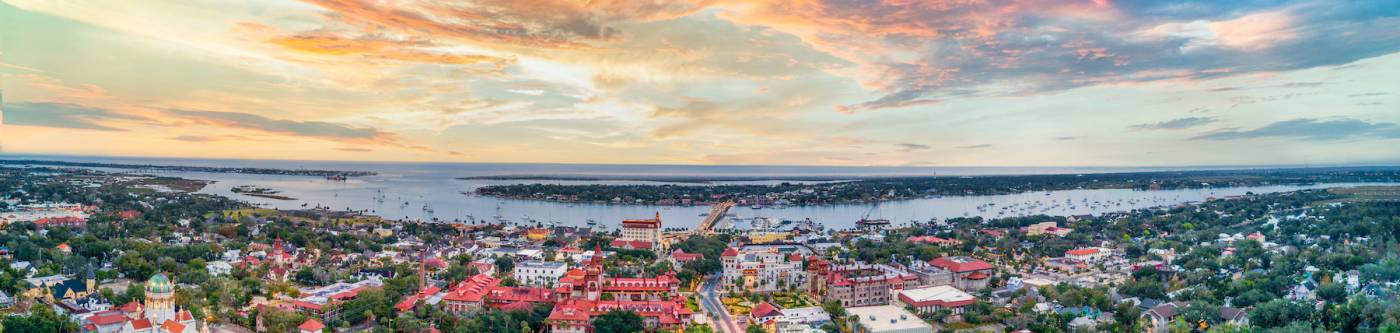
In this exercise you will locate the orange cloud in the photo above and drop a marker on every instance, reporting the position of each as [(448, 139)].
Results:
[(335, 45)]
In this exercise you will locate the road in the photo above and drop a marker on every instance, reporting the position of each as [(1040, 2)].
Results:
[(708, 299)]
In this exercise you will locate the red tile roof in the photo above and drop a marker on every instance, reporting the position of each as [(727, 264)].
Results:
[(141, 324), (173, 326), (764, 310), (108, 317), (960, 264), (1081, 252), (312, 325), (730, 252)]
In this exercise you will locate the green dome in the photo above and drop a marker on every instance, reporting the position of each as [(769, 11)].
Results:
[(159, 284)]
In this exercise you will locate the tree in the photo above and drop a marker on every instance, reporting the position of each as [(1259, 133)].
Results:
[(505, 265), (40, 319), (277, 320), (1332, 292), (618, 321), (755, 329), (1278, 313)]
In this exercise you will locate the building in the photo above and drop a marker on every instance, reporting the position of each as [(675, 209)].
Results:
[(931, 299), (968, 274), (1092, 254), (761, 269), (1047, 228), (679, 258), (218, 268), (6, 301), (1161, 316), (311, 326), (539, 273), (812, 317), (158, 314), (320, 303), (765, 315), (589, 291), (885, 319), (863, 285), (643, 230), (57, 288)]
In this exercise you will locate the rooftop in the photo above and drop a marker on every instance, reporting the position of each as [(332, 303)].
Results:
[(885, 318)]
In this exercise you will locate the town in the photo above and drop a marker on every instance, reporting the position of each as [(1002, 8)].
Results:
[(88, 251)]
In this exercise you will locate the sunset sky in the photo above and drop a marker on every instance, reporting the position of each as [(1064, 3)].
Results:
[(808, 82)]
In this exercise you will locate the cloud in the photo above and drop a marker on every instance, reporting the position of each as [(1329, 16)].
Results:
[(195, 138), (316, 129), (1370, 94), (63, 115), (907, 147), (1066, 138), (366, 150), (919, 52), (548, 23), (1314, 129), (979, 146), (1175, 124), (323, 43)]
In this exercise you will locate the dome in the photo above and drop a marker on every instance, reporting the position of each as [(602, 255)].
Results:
[(159, 284)]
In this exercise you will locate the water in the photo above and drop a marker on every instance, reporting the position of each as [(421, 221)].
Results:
[(406, 188)]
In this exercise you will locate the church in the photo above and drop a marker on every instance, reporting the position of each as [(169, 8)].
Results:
[(157, 314)]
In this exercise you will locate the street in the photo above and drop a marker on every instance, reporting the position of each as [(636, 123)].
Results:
[(708, 299)]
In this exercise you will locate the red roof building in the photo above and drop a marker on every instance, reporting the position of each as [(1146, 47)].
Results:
[(968, 273), (311, 326)]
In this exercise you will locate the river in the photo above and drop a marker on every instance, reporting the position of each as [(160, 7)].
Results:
[(424, 191)]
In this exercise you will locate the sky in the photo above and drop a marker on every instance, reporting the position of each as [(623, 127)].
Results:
[(791, 82)]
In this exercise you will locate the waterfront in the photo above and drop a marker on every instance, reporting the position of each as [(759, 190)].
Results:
[(427, 191)]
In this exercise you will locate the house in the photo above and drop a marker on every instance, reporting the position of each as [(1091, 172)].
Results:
[(56, 288), (885, 319), (679, 258), (218, 268), (931, 299), (1047, 228), (311, 326), (1160, 316), (765, 315)]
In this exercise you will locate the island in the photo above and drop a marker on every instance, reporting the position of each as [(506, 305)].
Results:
[(261, 192), (877, 189)]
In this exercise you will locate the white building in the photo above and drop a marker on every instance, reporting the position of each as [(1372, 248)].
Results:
[(932, 299), (762, 270), (885, 319), (218, 268), (539, 273)]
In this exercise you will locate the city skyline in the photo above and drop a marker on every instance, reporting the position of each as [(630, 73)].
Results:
[(996, 83)]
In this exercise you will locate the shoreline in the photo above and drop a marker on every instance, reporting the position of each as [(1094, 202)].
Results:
[(178, 168)]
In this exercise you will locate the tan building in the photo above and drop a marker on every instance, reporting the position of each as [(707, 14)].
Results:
[(648, 231)]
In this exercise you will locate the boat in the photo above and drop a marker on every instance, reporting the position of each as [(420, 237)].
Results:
[(867, 222)]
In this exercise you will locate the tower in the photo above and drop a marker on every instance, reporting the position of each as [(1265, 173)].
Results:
[(593, 275), (160, 299), (423, 270)]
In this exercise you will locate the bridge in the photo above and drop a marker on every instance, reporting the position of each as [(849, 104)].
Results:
[(716, 212)]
